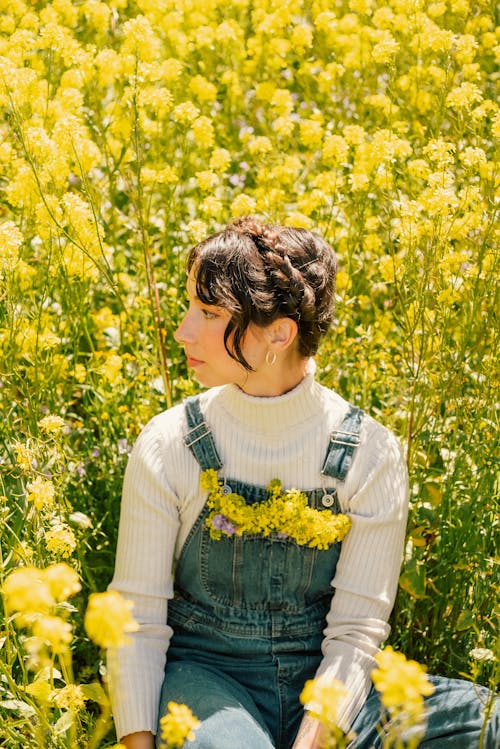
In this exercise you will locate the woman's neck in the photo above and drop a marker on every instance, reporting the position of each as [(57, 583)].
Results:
[(276, 379)]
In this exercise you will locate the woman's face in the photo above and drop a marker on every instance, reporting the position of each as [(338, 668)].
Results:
[(201, 332)]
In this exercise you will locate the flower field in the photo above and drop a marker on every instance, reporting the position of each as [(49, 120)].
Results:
[(133, 128)]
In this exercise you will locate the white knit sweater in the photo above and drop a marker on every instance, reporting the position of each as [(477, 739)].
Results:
[(258, 439)]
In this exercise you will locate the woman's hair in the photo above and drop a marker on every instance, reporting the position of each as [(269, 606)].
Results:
[(261, 272)]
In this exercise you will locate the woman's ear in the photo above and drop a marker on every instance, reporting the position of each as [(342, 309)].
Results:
[(281, 334)]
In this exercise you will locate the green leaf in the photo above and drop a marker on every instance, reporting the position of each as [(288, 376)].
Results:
[(413, 579), (19, 706), (95, 693), (465, 620), (64, 723)]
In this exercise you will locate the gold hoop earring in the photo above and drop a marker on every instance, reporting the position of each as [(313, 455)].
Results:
[(270, 358)]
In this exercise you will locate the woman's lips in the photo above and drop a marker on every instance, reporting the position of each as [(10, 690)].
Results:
[(192, 362)]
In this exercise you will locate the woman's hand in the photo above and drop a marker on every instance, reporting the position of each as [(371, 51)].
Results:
[(140, 740), (310, 734)]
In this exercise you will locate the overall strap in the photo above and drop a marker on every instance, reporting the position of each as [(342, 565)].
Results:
[(343, 442), (199, 438)]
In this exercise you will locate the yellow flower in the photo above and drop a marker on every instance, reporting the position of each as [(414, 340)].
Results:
[(53, 631), (70, 697), (186, 112), (112, 368), (335, 149), (323, 699), (259, 145), (203, 131), (384, 51), (220, 160), (402, 683), (108, 618), (61, 540), (242, 205), (282, 102), (206, 179), (464, 96), (302, 37), (11, 240), (26, 591), (41, 492), (51, 424), (62, 580), (178, 725), (202, 89), (286, 514), (311, 133), (25, 457)]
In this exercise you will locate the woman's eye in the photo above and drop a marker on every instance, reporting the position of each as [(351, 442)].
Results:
[(208, 314)]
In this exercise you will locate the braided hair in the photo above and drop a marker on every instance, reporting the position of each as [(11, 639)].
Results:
[(261, 272)]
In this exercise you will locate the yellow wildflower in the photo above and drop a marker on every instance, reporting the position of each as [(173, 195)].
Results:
[(259, 145), (311, 133), (203, 131), (70, 697), (51, 424), (178, 725), (302, 37), (62, 580), (323, 699), (464, 96), (242, 205), (185, 112), (200, 87), (112, 368), (53, 631), (108, 618), (286, 514), (402, 683), (206, 179), (25, 457), (41, 493), (61, 540), (384, 51), (26, 591), (220, 159), (282, 102), (11, 240)]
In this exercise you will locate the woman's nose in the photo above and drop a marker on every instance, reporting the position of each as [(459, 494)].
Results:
[(184, 332)]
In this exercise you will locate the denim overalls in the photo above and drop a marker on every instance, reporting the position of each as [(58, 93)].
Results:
[(248, 612)]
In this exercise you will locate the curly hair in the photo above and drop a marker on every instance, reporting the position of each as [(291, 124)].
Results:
[(261, 272)]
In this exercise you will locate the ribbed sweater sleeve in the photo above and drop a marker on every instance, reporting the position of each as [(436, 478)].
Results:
[(146, 540), (368, 570)]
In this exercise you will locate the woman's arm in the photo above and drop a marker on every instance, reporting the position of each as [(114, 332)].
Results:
[(147, 535), (140, 740), (309, 735), (375, 495)]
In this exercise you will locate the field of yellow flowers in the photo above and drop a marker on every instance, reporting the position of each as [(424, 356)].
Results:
[(131, 129)]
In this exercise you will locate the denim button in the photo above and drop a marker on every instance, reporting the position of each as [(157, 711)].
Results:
[(226, 489), (327, 500)]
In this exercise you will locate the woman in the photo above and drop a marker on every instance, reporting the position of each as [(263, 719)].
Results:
[(240, 605)]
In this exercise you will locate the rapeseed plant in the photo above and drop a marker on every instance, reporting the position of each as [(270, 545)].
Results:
[(131, 131)]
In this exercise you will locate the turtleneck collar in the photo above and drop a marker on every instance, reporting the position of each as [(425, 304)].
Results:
[(274, 414)]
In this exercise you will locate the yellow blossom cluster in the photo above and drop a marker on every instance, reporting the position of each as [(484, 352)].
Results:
[(323, 699), (108, 618), (286, 514), (31, 594), (402, 685), (177, 726)]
